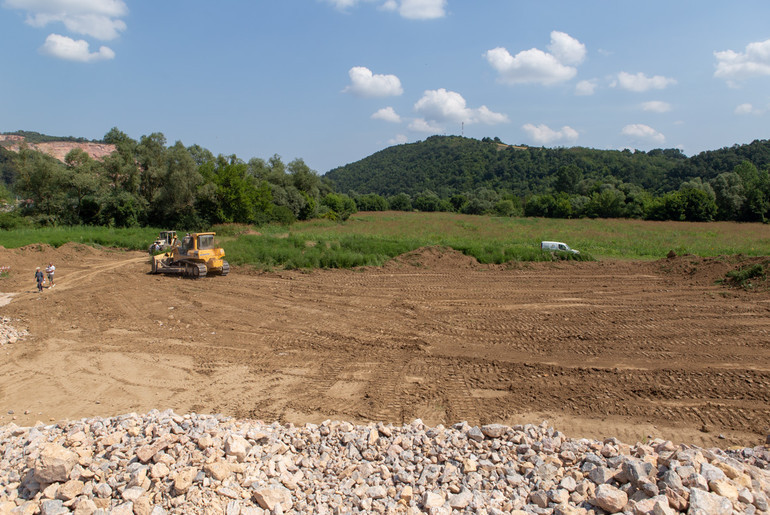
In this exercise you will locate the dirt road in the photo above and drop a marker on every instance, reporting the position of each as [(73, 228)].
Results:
[(600, 349)]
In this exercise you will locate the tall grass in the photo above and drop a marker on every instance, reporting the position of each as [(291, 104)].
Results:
[(370, 239), (130, 238)]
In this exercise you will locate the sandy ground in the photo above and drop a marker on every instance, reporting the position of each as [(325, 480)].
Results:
[(623, 349)]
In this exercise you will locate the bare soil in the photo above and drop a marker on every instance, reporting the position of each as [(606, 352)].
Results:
[(599, 349)]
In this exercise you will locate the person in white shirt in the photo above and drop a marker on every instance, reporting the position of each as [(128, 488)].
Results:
[(50, 270)]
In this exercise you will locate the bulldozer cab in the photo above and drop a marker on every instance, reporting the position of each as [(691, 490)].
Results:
[(188, 243), (168, 236), (206, 241)]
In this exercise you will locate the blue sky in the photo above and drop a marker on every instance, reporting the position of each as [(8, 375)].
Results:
[(333, 81)]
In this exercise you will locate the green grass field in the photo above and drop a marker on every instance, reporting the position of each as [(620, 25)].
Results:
[(368, 239)]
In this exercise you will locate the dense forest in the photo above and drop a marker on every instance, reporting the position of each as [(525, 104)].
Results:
[(148, 182), (472, 176)]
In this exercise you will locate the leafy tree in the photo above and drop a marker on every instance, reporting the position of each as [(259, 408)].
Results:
[(505, 207), (400, 202), (174, 202), (85, 186), (697, 205), (567, 178), (729, 195), (42, 182), (607, 203), (121, 208), (340, 206), (427, 201), (371, 202)]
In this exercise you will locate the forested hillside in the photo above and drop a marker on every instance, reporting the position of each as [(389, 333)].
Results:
[(471, 176), (148, 182)]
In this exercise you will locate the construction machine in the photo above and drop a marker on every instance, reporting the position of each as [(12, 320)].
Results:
[(195, 256), (165, 241)]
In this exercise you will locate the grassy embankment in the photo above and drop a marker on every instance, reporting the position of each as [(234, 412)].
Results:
[(368, 239)]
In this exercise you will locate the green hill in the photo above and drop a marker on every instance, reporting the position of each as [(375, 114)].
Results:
[(449, 165)]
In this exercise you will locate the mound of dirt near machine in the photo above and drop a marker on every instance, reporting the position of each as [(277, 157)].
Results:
[(600, 349)]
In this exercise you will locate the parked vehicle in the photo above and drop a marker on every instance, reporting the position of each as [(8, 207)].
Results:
[(557, 246)]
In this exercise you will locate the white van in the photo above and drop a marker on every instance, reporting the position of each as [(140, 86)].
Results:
[(556, 246)]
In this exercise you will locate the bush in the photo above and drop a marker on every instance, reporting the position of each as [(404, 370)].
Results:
[(12, 220), (743, 276)]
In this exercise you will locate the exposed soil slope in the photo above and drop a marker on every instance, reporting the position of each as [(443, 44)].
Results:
[(624, 349)]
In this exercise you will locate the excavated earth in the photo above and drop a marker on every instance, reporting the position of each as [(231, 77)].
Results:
[(632, 350)]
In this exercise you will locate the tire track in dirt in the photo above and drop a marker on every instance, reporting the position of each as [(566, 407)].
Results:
[(608, 343)]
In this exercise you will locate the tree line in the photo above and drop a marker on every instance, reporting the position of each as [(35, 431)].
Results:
[(150, 183)]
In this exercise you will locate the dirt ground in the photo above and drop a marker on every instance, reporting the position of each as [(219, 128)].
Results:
[(599, 349)]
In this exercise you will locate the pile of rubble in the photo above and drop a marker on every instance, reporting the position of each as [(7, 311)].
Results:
[(8, 333), (162, 462)]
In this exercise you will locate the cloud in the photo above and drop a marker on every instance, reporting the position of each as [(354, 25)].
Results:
[(544, 135), (656, 106), (640, 83), (736, 66), (567, 49), (585, 87), (100, 19), (365, 84), (343, 5), (440, 105), (644, 133), (66, 48), (387, 114), (748, 109), (399, 139), (417, 9), (535, 65), (409, 9), (422, 125)]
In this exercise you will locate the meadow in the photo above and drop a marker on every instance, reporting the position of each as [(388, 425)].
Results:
[(371, 238)]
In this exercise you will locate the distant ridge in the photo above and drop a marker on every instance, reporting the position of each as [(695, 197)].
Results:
[(449, 165), (55, 147)]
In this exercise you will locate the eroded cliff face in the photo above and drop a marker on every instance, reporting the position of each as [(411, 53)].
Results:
[(57, 149)]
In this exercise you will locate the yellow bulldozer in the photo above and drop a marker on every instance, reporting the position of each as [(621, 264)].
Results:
[(195, 256)]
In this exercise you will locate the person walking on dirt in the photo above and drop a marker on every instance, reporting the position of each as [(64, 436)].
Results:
[(39, 277), (50, 270)]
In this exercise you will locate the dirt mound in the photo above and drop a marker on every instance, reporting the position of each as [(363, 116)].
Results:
[(709, 270), (437, 257)]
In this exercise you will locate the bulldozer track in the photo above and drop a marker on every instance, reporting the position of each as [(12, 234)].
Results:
[(597, 346)]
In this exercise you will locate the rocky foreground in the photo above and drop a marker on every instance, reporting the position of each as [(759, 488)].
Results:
[(162, 462)]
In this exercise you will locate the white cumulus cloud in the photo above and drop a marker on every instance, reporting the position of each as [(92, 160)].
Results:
[(585, 88), (640, 83), (643, 133), (736, 66), (100, 19), (387, 114), (440, 105), (544, 135), (748, 109), (422, 125), (656, 106), (398, 139), (68, 49), (537, 66), (417, 9), (364, 83)]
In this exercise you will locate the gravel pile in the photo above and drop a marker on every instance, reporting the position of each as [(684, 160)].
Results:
[(162, 462), (8, 333)]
